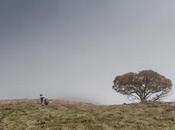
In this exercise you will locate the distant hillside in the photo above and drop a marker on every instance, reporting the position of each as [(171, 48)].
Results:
[(61, 115)]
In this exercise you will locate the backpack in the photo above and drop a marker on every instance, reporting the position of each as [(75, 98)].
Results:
[(46, 102)]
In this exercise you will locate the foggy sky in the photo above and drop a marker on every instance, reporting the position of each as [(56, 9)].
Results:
[(75, 48)]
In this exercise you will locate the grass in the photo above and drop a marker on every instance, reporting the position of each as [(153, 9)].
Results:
[(61, 115)]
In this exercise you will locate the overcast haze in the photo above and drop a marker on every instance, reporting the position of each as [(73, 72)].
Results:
[(75, 48)]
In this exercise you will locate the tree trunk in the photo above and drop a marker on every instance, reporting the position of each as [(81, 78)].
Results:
[(143, 99)]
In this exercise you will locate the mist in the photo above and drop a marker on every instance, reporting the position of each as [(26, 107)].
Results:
[(75, 49)]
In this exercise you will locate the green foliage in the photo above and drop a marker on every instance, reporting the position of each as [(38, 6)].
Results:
[(145, 85)]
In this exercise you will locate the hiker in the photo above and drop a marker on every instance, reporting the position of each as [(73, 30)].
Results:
[(41, 99)]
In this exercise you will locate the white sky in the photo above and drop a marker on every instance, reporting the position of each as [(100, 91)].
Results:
[(74, 49)]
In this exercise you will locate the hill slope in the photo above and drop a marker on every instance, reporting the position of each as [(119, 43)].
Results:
[(59, 115)]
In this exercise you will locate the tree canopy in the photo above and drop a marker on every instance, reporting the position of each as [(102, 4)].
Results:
[(145, 85)]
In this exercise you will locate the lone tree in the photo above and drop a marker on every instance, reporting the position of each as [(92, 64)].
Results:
[(145, 85)]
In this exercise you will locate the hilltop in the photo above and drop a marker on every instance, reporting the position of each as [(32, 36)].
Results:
[(63, 115)]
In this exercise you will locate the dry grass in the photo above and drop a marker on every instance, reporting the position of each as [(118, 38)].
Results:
[(59, 115)]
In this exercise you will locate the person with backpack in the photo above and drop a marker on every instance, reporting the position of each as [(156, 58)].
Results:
[(43, 100)]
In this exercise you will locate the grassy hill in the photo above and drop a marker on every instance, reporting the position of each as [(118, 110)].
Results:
[(60, 115)]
